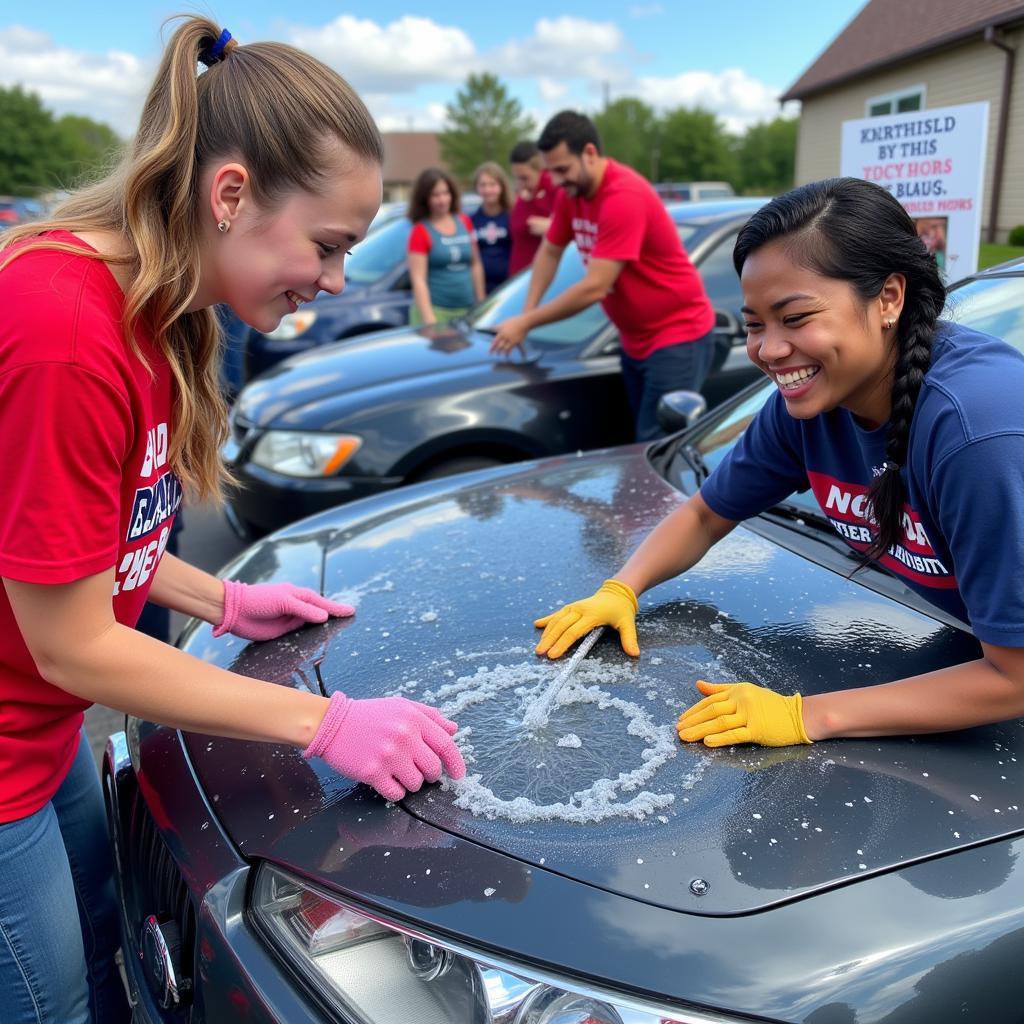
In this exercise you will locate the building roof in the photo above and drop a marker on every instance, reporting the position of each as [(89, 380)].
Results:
[(408, 153), (888, 31)]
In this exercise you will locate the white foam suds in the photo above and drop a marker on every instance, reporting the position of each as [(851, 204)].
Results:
[(606, 731)]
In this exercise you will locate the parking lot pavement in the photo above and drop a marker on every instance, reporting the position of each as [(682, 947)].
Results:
[(205, 541)]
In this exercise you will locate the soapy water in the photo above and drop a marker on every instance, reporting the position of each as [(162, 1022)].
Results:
[(589, 763)]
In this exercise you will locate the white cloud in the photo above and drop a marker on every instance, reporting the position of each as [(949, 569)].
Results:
[(564, 49), (645, 10), (392, 117), (550, 90), (396, 57), (732, 94), (108, 87)]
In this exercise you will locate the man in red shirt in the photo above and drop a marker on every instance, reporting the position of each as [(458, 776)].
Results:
[(636, 268)]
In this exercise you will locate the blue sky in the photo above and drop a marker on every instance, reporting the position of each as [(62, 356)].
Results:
[(733, 56)]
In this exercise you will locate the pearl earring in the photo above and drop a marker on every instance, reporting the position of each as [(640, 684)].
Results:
[(222, 226)]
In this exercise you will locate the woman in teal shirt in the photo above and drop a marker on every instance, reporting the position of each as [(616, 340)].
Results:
[(444, 262)]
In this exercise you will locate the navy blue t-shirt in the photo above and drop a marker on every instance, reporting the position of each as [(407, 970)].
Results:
[(963, 523), (495, 245)]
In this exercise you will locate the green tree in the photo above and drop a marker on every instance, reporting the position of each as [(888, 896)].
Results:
[(630, 131), (38, 152), (28, 141), (87, 147), (694, 147), (766, 157), (483, 123)]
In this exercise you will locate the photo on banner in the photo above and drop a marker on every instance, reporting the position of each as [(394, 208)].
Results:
[(933, 162)]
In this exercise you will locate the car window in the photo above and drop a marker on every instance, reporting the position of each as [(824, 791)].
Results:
[(379, 253), (721, 281), (508, 300), (993, 305), (715, 444)]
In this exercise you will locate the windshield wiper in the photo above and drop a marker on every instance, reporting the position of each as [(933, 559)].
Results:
[(802, 516), (691, 453)]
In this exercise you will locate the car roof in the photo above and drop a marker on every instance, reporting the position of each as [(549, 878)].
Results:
[(1014, 266), (712, 210)]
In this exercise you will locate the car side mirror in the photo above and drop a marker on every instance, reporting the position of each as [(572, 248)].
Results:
[(727, 325), (678, 410)]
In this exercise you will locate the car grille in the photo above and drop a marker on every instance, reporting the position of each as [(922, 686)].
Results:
[(155, 886)]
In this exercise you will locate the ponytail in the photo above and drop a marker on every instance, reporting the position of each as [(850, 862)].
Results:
[(851, 230)]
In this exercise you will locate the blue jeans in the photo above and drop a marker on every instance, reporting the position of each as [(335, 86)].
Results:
[(681, 367), (58, 910)]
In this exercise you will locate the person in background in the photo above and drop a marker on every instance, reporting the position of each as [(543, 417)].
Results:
[(535, 201), (636, 265), (491, 222), (444, 262), (246, 184)]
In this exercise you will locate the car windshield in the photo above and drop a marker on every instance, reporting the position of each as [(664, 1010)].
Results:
[(994, 305), (378, 254), (509, 299)]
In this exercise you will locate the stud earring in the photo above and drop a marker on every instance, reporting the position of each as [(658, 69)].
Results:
[(222, 226), (890, 324)]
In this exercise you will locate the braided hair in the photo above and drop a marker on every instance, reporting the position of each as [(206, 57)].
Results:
[(851, 230)]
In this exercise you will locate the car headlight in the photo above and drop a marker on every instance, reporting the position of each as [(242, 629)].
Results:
[(300, 453), (375, 972), (293, 324)]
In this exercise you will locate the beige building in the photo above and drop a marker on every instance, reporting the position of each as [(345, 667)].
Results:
[(905, 55), (405, 155)]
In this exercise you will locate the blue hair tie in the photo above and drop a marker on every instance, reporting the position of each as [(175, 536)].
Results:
[(216, 52)]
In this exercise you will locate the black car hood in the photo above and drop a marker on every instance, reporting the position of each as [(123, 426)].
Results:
[(447, 580), (356, 366)]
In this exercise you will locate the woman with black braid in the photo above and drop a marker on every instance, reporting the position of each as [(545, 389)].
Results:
[(910, 433)]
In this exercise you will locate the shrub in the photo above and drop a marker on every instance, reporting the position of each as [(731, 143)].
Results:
[(1017, 235)]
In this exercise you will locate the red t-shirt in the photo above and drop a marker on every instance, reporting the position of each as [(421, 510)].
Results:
[(86, 486), (658, 298), (524, 243)]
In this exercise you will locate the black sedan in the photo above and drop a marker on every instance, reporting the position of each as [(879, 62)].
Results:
[(593, 870), (356, 418)]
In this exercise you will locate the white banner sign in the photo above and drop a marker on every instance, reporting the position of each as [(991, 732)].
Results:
[(933, 162)]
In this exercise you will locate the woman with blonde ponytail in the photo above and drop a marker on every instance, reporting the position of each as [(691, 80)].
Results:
[(909, 431), (246, 183)]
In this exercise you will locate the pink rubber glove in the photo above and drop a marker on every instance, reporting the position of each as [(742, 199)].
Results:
[(391, 743), (261, 611)]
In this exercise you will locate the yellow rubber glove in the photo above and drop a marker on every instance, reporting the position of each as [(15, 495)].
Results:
[(743, 713), (614, 604)]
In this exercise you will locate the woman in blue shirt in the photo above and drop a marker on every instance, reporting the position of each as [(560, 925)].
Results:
[(444, 262), (909, 431), (490, 222)]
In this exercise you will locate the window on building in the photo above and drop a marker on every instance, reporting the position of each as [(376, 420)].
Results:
[(900, 102)]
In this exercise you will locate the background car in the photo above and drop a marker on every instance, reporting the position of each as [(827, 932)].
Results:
[(693, 191), (871, 880), (348, 420), (377, 295)]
